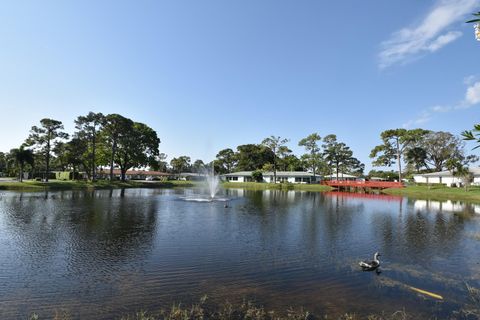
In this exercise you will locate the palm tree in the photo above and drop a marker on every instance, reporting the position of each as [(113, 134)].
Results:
[(476, 21), (22, 157)]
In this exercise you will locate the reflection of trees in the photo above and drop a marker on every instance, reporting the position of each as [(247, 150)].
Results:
[(81, 230)]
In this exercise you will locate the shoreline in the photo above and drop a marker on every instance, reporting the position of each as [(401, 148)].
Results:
[(434, 192)]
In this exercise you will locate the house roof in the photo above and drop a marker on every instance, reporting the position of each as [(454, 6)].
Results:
[(340, 175), (447, 173), (270, 173), (135, 172)]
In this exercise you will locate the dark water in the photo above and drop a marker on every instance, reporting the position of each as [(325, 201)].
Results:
[(102, 254)]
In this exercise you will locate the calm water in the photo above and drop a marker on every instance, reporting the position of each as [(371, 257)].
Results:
[(102, 254)]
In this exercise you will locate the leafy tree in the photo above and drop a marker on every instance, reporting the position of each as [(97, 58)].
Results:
[(3, 163), (476, 21), (416, 157), (22, 156), (226, 160), (198, 166), (136, 147), (473, 135), (339, 156), (275, 144), (253, 156), (180, 164), (88, 128), (257, 176), (115, 127), (395, 144), (459, 170), (440, 147), (314, 158), (386, 175), (160, 163), (43, 138)]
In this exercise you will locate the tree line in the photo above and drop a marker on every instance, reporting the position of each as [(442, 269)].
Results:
[(114, 141), (98, 141)]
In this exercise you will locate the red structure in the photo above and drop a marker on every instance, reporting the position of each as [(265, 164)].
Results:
[(372, 196), (362, 184)]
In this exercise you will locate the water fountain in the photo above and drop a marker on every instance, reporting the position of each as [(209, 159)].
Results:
[(210, 190)]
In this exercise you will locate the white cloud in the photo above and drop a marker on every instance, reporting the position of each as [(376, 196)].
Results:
[(441, 109), (473, 94), (428, 36), (472, 97)]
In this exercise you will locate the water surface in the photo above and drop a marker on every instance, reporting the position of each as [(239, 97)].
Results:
[(105, 253)]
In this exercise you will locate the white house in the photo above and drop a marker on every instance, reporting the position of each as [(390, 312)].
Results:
[(268, 177), (341, 176), (446, 177)]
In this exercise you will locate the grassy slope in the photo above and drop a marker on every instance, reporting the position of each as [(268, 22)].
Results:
[(437, 193), (76, 185)]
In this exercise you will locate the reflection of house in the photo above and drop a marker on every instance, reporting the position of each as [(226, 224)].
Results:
[(446, 177), (134, 174), (268, 177)]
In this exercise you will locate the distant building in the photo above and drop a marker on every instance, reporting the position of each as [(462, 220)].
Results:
[(268, 177), (446, 177), (134, 174), (341, 176)]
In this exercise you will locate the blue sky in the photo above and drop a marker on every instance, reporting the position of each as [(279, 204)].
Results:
[(208, 75)]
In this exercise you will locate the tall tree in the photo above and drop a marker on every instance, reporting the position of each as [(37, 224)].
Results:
[(226, 160), (252, 157), (476, 23), (114, 128), (198, 166), (395, 143), (3, 163), (275, 144), (88, 127), (339, 156), (180, 164), (22, 156), (473, 135), (137, 146), (43, 138), (441, 146), (311, 146), (416, 157)]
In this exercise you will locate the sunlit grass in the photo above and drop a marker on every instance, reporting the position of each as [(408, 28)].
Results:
[(437, 192), (30, 185)]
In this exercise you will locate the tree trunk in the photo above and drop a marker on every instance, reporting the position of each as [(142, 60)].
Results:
[(21, 172), (399, 158), (94, 168), (47, 160), (114, 147)]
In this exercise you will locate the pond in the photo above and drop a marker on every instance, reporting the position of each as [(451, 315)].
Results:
[(103, 254)]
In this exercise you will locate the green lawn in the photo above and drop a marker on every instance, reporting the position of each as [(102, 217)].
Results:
[(437, 192), (78, 185)]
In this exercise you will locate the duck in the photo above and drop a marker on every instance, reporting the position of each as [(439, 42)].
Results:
[(371, 265)]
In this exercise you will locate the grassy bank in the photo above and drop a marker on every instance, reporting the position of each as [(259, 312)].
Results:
[(277, 186), (228, 311), (79, 185), (437, 192)]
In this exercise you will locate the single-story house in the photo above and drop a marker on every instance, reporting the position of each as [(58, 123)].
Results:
[(134, 174), (268, 177), (341, 176), (446, 177), (190, 176)]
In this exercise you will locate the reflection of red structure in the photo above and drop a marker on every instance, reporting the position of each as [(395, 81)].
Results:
[(363, 195), (362, 184)]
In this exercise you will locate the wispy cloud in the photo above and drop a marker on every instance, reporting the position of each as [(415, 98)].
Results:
[(428, 36), (472, 98)]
